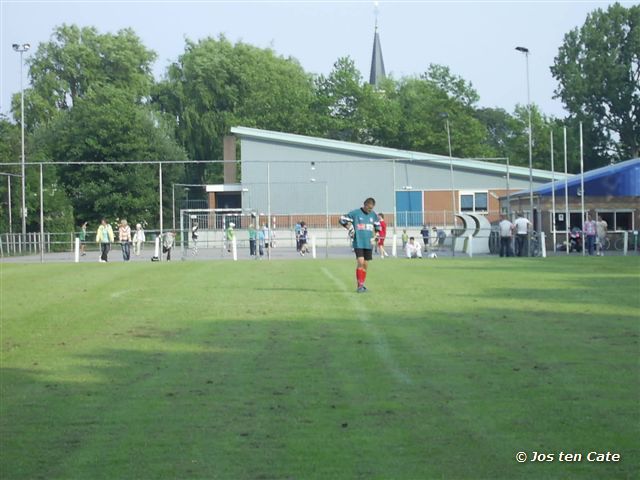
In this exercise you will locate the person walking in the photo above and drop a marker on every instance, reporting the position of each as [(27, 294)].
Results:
[(267, 235), (425, 236), (104, 237), (506, 234), (253, 236), (83, 238), (302, 239), (230, 234), (405, 238), (261, 242), (383, 234), (296, 230), (124, 236), (138, 239), (167, 243), (590, 230), (363, 227), (601, 229)]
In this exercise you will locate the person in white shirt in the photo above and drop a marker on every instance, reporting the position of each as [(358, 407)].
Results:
[(601, 228), (412, 249), (138, 239), (506, 233), (521, 226)]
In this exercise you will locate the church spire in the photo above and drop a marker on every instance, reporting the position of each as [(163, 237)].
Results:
[(377, 64)]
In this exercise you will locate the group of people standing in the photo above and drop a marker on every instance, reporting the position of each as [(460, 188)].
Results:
[(520, 228), (105, 237), (594, 234), (302, 237), (259, 239)]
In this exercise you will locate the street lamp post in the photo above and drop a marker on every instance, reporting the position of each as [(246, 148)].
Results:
[(453, 195), (21, 48), (526, 56)]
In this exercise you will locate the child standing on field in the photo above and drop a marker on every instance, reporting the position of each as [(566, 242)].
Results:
[(138, 239)]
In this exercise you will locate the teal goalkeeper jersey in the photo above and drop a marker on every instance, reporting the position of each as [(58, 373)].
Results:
[(365, 226)]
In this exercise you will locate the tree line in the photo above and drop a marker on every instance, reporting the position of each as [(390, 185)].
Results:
[(93, 97)]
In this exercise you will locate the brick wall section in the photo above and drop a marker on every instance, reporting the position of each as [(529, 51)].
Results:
[(229, 153), (439, 200)]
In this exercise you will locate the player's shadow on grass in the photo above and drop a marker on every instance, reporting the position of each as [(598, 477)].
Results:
[(253, 398)]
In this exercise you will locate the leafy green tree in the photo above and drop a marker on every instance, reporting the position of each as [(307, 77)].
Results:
[(215, 85), (77, 59), (427, 103), (104, 126), (598, 70), (9, 153), (339, 101)]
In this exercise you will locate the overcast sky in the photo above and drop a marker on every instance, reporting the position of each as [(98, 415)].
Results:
[(476, 39)]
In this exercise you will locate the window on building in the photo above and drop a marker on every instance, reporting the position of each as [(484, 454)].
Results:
[(481, 201), (618, 220), (474, 202), (624, 221), (466, 203), (610, 218), (575, 220)]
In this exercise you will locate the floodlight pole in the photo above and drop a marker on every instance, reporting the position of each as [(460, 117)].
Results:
[(41, 217), (9, 202), (269, 242), (553, 195), (567, 223), (395, 206), (526, 55), (326, 242), (21, 49), (508, 192), (173, 205), (584, 219), (453, 196), (160, 207)]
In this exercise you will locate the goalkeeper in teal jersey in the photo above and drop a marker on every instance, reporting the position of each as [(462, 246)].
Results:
[(363, 226)]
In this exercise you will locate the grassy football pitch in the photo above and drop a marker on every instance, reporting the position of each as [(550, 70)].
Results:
[(447, 368)]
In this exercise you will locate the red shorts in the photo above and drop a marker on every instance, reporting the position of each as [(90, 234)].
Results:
[(381, 242)]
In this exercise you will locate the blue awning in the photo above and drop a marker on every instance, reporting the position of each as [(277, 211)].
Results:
[(618, 180)]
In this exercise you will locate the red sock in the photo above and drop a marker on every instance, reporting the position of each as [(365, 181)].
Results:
[(360, 275)]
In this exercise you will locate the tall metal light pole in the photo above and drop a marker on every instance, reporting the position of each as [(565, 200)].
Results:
[(21, 48), (526, 56), (453, 195)]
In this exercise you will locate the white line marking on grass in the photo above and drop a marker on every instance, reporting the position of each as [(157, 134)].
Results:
[(119, 293), (381, 345)]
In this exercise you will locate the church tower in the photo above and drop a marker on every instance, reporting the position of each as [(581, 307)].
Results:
[(377, 64)]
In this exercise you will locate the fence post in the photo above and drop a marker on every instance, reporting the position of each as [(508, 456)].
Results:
[(394, 247), (313, 246), (77, 250), (470, 245), (625, 246), (234, 248), (543, 245)]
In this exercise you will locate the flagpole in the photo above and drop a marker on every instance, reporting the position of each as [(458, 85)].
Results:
[(582, 188), (553, 196), (567, 223)]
